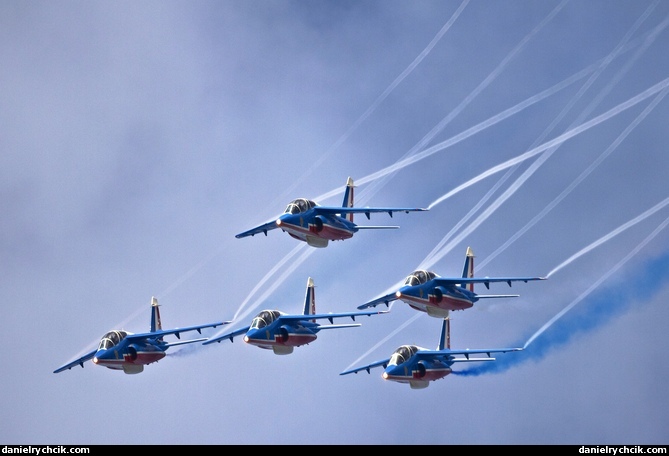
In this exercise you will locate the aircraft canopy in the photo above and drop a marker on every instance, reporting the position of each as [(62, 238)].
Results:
[(111, 339), (264, 318), (299, 205), (419, 277), (402, 354)]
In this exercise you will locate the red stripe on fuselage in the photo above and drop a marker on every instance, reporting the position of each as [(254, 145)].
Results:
[(328, 232), (294, 340), (447, 302)]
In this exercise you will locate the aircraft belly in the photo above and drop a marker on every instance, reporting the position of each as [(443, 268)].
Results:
[(145, 358), (334, 234), (435, 374), (447, 302), (294, 340), (328, 232), (110, 363), (430, 375)]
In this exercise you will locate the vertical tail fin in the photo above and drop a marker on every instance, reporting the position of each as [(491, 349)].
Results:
[(348, 198), (156, 325), (310, 299), (468, 270), (445, 339)]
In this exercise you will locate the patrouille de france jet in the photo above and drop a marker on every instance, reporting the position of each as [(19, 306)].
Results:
[(428, 292), (419, 366), (123, 350), (281, 332), (316, 225)]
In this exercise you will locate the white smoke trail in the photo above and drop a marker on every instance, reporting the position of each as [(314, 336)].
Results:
[(376, 186), (578, 180), (598, 282), (610, 235), (379, 99), (384, 340), (558, 140)]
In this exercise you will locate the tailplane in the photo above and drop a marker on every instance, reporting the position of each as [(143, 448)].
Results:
[(310, 299), (156, 325), (348, 198), (468, 270)]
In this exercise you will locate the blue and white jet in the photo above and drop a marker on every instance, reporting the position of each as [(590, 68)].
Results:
[(123, 350), (419, 366), (435, 295), (282, 332), (316, 225)]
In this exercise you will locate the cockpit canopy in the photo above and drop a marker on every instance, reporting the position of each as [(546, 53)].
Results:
[(402, 354), (111, 339), (419, 277), (264, 318), (299, 205)]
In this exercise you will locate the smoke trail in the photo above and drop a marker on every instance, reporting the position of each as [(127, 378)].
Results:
[(241, 313), (385, 339), (380, 98), (560, 139), (613, 146), (610, 235), (578, 180), (599, 310), (376, 186), (565, 136), (649, 36), (267, 276)]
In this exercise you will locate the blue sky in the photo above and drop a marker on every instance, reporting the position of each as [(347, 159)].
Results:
[(139, 137)]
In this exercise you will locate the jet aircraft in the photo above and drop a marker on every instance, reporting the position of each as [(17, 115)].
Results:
[(428, 292), (316, 225), (281, 332), (419, 366), (123, 350)]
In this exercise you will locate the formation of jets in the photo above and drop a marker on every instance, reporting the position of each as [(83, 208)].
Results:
[(281, 332)]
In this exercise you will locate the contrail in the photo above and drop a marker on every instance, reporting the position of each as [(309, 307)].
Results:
[(602, 308)]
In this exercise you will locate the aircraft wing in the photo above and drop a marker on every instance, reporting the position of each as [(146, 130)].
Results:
[(382, 300), (176, 331), (466, 352), (330, 316), (355, 370), (230, 335), (79, 361), (264, 228), (484, 280), (364, 210)]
